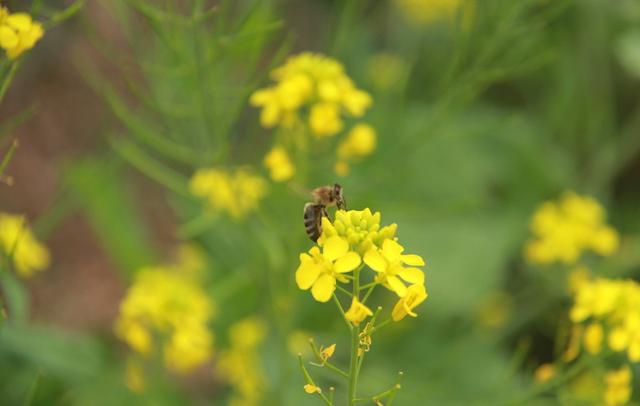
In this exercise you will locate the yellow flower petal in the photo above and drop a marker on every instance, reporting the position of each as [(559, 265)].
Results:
[(334, 248), (347, 263), (392, 250), (413, 260), (412, 275), (375, 260), (397, 286), (309, 388), (307, 274), (323, 288)]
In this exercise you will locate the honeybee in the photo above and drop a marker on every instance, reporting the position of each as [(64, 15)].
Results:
[(323, 197)]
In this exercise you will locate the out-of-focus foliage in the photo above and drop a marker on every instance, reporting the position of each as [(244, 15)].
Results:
[(477, 113)]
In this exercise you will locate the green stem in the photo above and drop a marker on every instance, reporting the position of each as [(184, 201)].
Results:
[(355, 337), (341, 309), (310, 381)]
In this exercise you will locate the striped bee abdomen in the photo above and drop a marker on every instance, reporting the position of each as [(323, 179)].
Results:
[(313, 220)]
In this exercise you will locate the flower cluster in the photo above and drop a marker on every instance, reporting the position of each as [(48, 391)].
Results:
[(312, 92), (424, 12), (240, 364), (618, 390), (18, 32), (565, 229), (19, 243), (237, 193), (353, 238), (606, 308), (167, 309)]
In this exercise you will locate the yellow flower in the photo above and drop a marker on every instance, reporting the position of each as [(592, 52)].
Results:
[(544, 373), (237, 193), (360, 228), (19, 243), (593, 335), (357, 312), (171, 307), (618, 391), (325, 120), (326, 353), (415, 295), (389, 263), (18, 32), (564, 230), (314, 81), (360, 142), (612, 307), (320, 270), (280, 166), (240, 365), (310, 388)]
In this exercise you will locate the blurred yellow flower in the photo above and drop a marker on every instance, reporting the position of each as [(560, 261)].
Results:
[(314, 81), (423, 12), (415, 295), (279, 164), (360, 228), (544, 373), (320, 270), (18, 242), (172, 309), (240, 364), (612, 309), (18, 32), (386, 70), (389, 263), (326, 353), (618, 390), (564, 230), (236, 193), (357, 312), (360, 142)]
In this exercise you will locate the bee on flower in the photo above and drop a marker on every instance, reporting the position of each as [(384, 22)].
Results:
[(353, 256)]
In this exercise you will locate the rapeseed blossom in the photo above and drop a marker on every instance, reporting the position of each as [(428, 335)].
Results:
[(18, 32), (618, 389), (240, 364), (18, 242), (357, 312), (167, 312), (279, 164), (564, 230), (415, 294), (390, 263), (607, 310), (360, 142), (316, 83), (236, 193)]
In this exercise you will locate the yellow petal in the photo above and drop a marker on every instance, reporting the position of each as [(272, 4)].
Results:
[(309, 388), (335, 247), (19, 21), (8, 38), (412, 275), (323, 288), (392, 250), (347, 263), (375, 260), (413, 260), (397, 286), (306, 274)]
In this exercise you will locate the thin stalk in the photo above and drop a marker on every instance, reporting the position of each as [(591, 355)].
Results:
[(355, 337), (310, 381), (324, 362), (341, 309)]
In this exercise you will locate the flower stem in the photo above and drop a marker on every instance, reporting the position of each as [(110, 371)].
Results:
[(355, 339)]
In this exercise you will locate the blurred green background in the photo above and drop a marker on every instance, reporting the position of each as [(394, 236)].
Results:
[(482, 110)]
